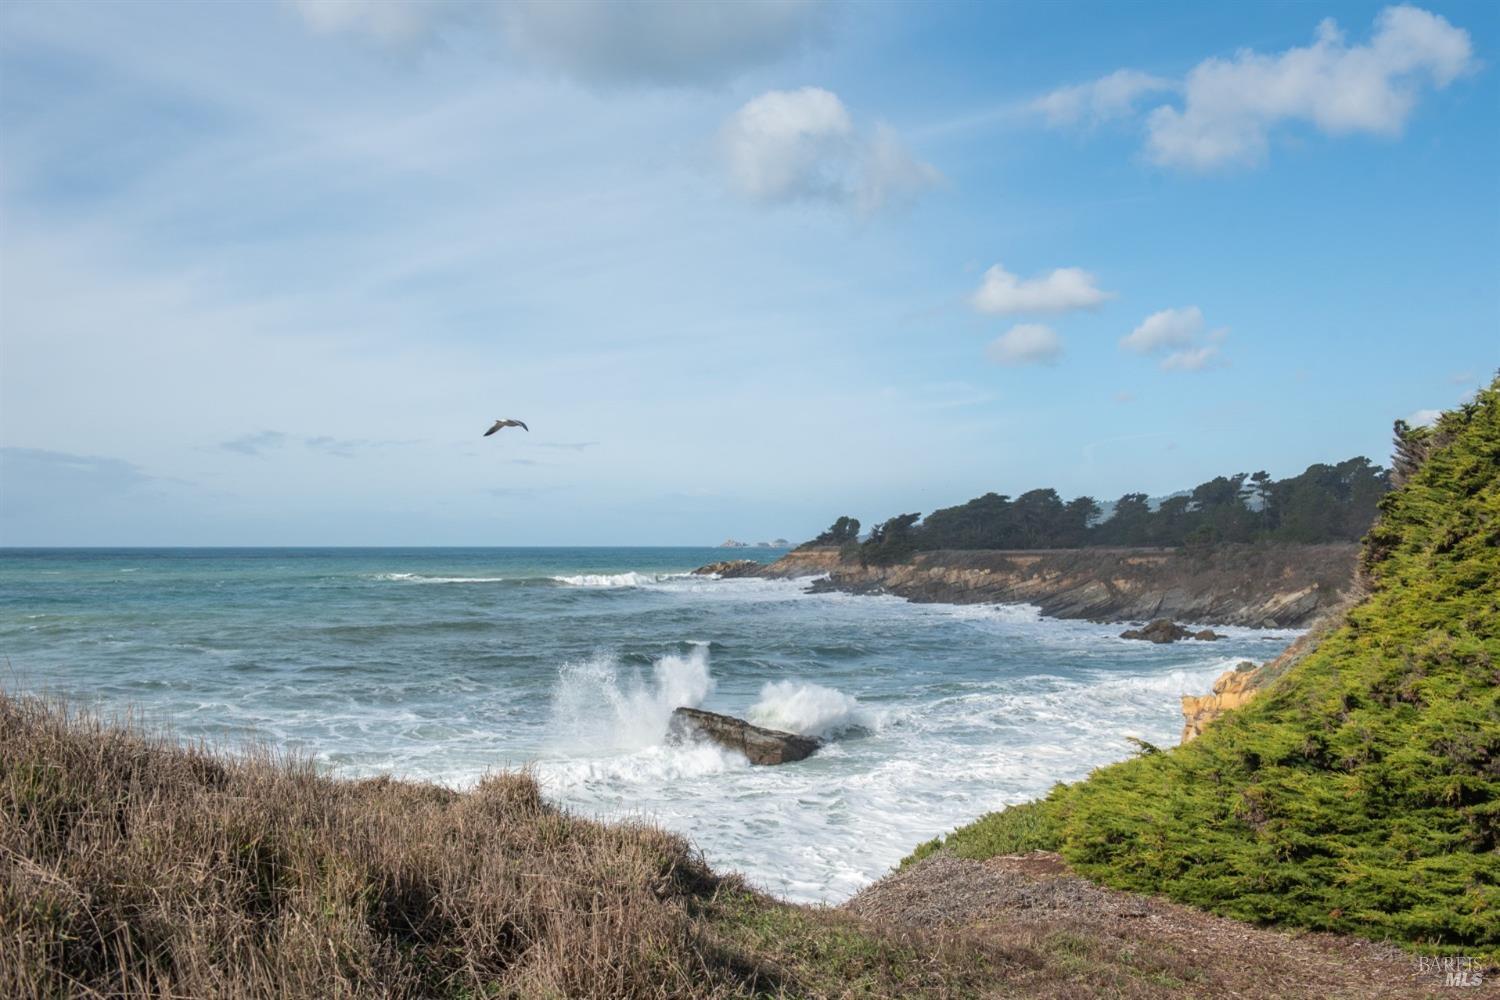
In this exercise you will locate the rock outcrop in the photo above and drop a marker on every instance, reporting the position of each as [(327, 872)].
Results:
[(1166, 630), (1160, 631), (760, 745), (1265, 586), (729, 569), (1231, 690), (1235, 687)]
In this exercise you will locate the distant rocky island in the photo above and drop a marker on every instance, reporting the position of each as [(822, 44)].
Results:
[(734, 543)]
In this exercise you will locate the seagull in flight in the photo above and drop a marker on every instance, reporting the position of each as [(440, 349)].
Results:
[(506, 423)]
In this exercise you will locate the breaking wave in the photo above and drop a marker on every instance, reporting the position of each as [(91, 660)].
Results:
[(615, 579), (809, 710), (599, 705), (419, 578)]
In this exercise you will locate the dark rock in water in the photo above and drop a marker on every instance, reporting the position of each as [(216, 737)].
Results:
[(1166, 630), (762, 746), (1161, 630), (828, 585), (730, 569)]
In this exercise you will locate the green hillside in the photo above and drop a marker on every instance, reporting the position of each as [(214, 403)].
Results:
[(1360, 792)]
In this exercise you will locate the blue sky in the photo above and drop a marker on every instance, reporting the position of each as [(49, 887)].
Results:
[(268, 270)]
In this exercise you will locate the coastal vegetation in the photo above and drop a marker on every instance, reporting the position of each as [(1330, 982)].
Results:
[(1360, 790), (133, 867), (1324, 503), (844, 530)]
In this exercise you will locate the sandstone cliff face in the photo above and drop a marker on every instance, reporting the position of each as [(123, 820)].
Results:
[(802, 562), (1237, 686), (1269, 586), (1231, 690)]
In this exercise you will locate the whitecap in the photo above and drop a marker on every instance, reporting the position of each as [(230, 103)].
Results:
[(809, 710), (418, 578), (597, 705), (616, 580)]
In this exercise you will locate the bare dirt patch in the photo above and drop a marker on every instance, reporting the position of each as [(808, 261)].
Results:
[(1128, 945)]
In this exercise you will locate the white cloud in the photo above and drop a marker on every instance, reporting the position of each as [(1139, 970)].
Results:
[(1105, 99), (1168, 328), (802, 145), (1025, 344), (1191, 359), (789, 144), (651, 41), (889, 174), (1230, 106), (1062, 290), (1424, 418), (1180, 334)]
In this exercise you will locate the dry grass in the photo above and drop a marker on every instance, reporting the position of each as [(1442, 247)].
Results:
[(129, 867), (132, 867)]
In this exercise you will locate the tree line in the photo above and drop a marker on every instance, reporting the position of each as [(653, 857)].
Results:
[(1326, 503)]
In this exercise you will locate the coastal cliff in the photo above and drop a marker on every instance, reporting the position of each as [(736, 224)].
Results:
[(1267, 586)]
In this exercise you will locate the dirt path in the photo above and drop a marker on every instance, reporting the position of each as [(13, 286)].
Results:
[(1121, 944)]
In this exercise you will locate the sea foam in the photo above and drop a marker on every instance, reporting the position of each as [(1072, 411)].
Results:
[(598, 704), (419, 578), (610, 580), (809, 710)]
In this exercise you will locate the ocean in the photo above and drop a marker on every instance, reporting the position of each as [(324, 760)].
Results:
[(443, 664)]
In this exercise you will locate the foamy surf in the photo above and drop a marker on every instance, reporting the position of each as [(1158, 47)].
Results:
[(809, 710), (600, 705), (615, 580), (419, 578)]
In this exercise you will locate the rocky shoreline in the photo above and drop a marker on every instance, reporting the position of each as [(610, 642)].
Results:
[(1261, 586)]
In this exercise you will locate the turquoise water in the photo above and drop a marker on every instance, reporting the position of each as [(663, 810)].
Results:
[(444, 663)]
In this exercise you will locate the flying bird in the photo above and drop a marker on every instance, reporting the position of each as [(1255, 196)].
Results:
[(506, 423)]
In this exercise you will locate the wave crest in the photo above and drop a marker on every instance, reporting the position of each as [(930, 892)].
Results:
[(595, 702), (419, 578), (810, 710), (614, 579)]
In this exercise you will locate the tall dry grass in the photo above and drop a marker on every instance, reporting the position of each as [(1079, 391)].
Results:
[(131, 867)]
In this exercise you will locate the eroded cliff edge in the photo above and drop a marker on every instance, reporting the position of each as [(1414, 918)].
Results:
[(1265, 586)]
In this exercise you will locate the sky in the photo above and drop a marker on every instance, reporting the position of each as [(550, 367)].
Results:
[(268, 270)]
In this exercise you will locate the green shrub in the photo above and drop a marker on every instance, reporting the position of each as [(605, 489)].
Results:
[(1360, 791)]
